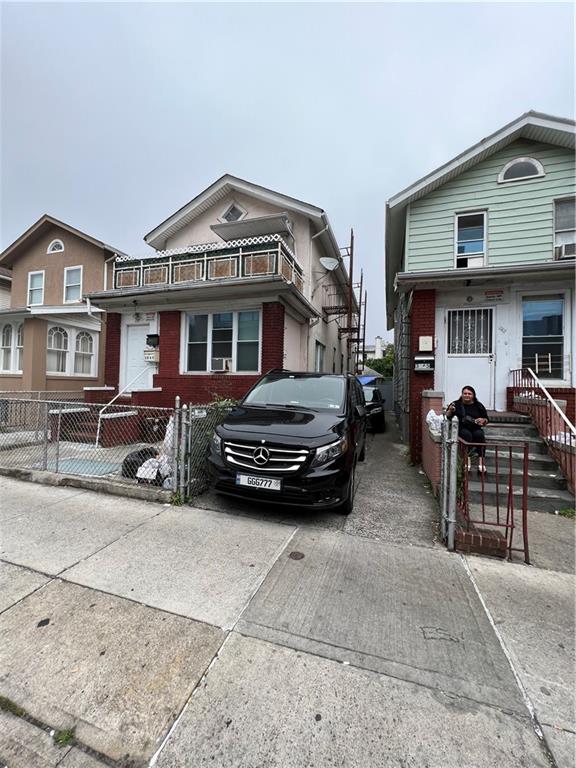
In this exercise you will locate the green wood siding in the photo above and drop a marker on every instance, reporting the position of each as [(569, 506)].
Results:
[(520, 213)]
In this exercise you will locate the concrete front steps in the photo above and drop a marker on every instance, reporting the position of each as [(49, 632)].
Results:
[(547, 488)]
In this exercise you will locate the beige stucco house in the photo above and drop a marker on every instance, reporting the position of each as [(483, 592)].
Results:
[(50, 337), (242, 279)]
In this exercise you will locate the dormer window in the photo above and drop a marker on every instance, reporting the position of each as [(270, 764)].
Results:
[(234, 212), (521, 169), (56, 246)]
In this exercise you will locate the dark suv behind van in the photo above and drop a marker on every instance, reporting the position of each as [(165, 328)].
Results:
[(295, 438)]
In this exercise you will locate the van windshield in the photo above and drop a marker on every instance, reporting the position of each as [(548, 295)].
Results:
[(320, 393)]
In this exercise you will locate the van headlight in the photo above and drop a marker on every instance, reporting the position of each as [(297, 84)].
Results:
[(216, 442), (330, 452)]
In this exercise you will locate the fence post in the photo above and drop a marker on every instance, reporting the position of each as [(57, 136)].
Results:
[(182, 453), (443, 480), (453, 472), (58, 439), (46, 428), (175, 443)]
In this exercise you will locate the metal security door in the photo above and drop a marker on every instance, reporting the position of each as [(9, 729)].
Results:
[(470, 353)]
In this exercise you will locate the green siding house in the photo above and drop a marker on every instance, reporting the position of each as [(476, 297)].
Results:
[(480, 258)]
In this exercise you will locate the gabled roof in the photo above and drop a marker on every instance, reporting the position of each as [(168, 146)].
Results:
[(44, 223), (534, 126), (219, 190), (228, 184)]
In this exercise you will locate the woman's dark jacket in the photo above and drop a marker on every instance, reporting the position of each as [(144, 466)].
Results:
[(474, 410)]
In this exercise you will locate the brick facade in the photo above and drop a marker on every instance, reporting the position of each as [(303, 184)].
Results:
[(112, 353), (203, 388), (568, 394), (422, 318)]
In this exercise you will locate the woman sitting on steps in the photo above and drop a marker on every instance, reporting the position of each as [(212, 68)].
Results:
[(472, 417)]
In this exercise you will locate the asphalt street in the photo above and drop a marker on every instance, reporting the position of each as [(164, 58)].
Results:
[(230, 634)]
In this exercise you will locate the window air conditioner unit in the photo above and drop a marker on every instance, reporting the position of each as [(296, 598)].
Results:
[(221, 364), (564, 251)]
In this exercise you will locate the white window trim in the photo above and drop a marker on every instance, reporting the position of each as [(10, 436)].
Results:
[(30, 274), (72, 332), (484, 253), (211, 313), (66, 270), (57, 241), (233, 204), (566, 294), (13, 349), (537, 163), (555, 201)]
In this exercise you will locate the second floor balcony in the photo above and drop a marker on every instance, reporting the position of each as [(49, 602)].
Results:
[(237, 260)]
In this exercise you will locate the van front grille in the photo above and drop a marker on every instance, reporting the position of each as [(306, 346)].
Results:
[(264, 458)]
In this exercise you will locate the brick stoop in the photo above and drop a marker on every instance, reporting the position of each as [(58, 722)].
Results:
[(480, 541)]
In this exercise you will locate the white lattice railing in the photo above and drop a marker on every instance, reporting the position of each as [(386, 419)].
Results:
[(253, 257)]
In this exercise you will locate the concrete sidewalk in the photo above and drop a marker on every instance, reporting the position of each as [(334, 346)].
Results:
[(184, 637)]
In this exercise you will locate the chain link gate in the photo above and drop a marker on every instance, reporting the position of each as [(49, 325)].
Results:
[(448, 480)]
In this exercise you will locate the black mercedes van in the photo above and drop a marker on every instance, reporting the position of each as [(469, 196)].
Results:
[(295, 438)]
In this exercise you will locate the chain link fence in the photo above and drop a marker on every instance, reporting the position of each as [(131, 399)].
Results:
[(160, 447)]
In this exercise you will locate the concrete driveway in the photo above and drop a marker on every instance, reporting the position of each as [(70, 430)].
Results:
[(226, 634)]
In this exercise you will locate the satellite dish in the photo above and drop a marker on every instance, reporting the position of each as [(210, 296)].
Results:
[(329, 263)]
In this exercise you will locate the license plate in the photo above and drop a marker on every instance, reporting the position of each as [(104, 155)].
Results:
[(266, 483)]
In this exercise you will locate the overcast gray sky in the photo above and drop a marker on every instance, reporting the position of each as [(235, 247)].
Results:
[(113, 115)]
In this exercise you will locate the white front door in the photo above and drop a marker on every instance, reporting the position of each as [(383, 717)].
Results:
[(134, 341), (469, 355)]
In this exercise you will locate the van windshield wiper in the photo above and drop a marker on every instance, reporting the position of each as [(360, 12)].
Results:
[(292, 406)]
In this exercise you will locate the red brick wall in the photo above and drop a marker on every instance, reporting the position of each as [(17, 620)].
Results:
[(431, 449), (112, 355), (422, 324), (200, 388)]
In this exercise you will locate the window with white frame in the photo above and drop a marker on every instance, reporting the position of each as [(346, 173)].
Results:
[(11, 348), (71, 351), (6, 348), (57, 350), (543, 335), (35, 288), (470, 238), (565, 227), (521, 169), (319, 357), (83, 353), (19, 346), (223, 341), (56, 246), (234, 212), (72, 284)]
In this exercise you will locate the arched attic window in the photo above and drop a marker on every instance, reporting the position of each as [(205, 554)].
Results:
[(56, 246), (520, 169)]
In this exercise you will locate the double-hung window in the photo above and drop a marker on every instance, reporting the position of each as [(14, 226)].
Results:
[(470, 238), (35, 288), (6, 348), (72, 284), (543, 335), (223, 341), (319, 357), (70, 352), (11, 348), (565, 227)]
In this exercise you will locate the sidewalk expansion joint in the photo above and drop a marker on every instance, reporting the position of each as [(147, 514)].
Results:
[(350, 664), (536, 726)]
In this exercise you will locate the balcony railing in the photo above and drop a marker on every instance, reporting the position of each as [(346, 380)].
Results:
[(240, 259)]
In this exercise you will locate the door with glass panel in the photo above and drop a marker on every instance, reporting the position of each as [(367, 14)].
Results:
[(470, 353), (543, 335)]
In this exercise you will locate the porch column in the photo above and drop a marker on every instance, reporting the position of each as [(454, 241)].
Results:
[(34, 355)]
